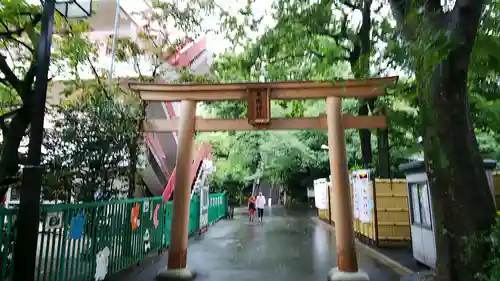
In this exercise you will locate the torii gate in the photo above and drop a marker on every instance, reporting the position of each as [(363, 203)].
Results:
[(259, 96)]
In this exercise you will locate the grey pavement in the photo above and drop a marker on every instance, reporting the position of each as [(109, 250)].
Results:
[(286, 246)]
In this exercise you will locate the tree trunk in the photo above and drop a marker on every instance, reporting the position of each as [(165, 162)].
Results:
[(9, 158), (133, 167), (360, 65), (454, 166), (365, 139), (384, 168)]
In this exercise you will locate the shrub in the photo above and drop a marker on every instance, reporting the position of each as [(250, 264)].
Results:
[(491, 270)]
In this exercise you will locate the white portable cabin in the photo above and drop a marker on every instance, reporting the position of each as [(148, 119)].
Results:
[(422, 222)]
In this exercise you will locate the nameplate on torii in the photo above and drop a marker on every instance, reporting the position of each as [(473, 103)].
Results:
[(259, 106)]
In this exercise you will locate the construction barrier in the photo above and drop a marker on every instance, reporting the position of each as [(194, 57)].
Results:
[(392, 217), (390, 224), (323, 214)]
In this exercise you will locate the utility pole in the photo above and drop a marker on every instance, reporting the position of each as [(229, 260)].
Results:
[(29, 205), (115, 38)]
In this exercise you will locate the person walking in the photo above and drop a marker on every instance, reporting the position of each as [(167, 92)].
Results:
[(251, 208), (260, 202)]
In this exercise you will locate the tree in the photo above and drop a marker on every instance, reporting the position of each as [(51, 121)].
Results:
[(280, 157), (72, 51), (156, 41), (440, 41), (327, 35), (19, 40), (87, 148), (483, 90)]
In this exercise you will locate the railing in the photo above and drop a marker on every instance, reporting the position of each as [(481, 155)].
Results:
[(217, 207), (93, 240)]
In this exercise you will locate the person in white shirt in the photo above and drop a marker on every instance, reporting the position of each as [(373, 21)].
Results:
[(260, 204)]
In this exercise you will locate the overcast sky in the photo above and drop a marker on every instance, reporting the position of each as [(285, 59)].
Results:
[(217, 43)]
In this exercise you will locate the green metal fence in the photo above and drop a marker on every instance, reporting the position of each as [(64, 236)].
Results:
[(6, 238), (217, 207), (91, 240)]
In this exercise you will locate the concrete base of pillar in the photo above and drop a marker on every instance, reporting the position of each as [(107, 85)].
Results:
[(336, 275), (182, 274)]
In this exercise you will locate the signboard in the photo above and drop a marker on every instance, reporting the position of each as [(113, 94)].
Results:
[(321, 194), (259, 106), (362, 195), (356, 196), (207, 168), (204, 205)]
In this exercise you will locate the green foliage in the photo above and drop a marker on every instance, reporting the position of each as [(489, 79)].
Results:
[(157, 41), (309, 42), (72, 52), (483, 73), (318, 41), (87, 149), (490, 241), (19, 35)]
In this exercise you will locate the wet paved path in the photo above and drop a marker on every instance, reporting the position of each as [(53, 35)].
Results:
[(287, 246)]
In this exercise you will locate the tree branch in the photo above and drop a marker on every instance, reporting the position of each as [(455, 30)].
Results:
[(317, 54), (337, 37), (19, 31), (400, 10), (92, 67), (9, 114), (10, 77), (349, 4), (29, 77), (432, 12), (9, 34), (9, 159), (466, 15), (3, 117), (3, 126), (378, 9), (11, 38), (23, 44), (433, 6)]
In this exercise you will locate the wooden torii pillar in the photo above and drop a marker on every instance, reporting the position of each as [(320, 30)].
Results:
[(259, 96)]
